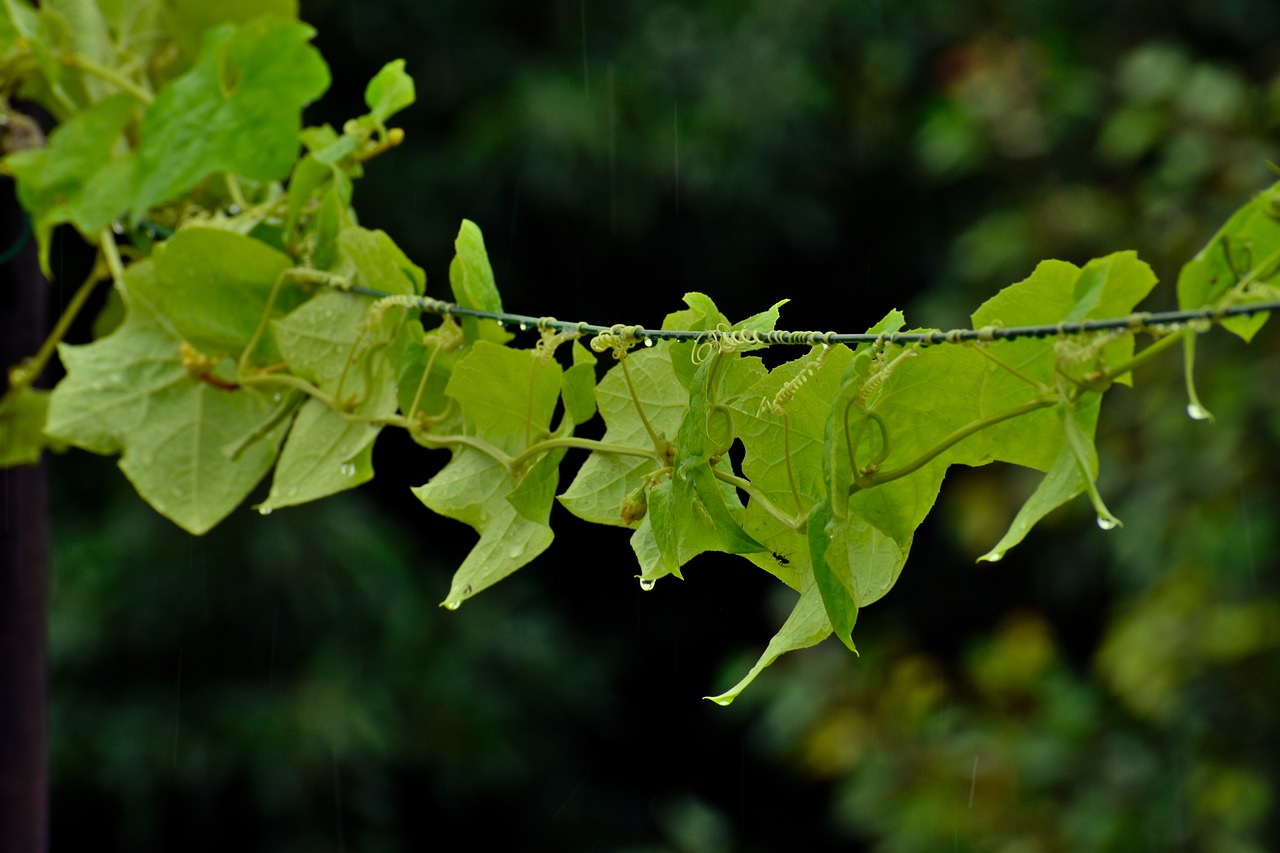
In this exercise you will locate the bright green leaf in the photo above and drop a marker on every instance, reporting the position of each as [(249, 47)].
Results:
[(83, 176), (22, 418), (390, 91), (212, 286), (130, 393), (806, 626), (238, 110)]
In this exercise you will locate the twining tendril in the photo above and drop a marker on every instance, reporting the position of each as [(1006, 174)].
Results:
[(1071, 353), (882, 374), (619, 338), (787, 393)]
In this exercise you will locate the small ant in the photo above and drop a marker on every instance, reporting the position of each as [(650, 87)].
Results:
[(782, 560)]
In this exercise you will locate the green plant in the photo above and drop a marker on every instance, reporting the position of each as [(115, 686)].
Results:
[(255, 325)]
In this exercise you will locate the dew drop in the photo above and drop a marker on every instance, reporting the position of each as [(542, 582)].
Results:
[(514, 551), (1106, 523), (722, 702), (278, 397), (233, 209), (117, 227), (264, 510), (452, 605), (647, 584), (994, 556), (348, 469), (524, 327), (648, 342), (1198, 412)]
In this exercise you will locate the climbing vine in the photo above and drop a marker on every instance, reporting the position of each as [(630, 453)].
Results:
[(255, 329)]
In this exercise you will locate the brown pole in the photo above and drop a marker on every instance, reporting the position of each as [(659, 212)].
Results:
[(24, 571)]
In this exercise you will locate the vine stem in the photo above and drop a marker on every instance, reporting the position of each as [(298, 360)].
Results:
[(422, 383), (786, 455), (80, 62), (584, 444), (880, 478), (658, 444), (298, 273), (792, 522), (23, 375)]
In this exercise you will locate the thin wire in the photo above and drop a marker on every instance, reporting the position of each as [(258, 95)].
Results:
[(1157, 321)]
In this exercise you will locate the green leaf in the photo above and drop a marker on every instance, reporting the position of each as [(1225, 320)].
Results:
[(471, 278), (390, 91), (238, 110), (604, 479), (81, 177), (507, 398), (86, 35), (22, 418), (470, 275), (474, 488), (379, 262), (329, 342), (536, 492), (1063, 482), (44, 35), (191, 19), (325, 454), (1239, 264), (702, 313), (839, 599), (579, 392), (806, 626), (506, 395), (130, 393), (212, 286)]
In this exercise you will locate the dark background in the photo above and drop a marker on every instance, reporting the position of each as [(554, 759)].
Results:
[(289, 683)]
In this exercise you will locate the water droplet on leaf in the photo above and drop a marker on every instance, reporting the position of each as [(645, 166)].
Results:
[(233, 209), (1106, 523), (524, 327), (722, 702), (1195, 411), (994, 556), (264, 510), (648, 342), (348, 469), (647, 584), (278, 397), (452, 605)]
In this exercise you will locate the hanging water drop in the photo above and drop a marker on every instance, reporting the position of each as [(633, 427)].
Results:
[(647, 584), (994, 556), (233, 209), (348, 469), (524, 327), (278, 397), (264, 510), (721, 702), (1106, 523), (452, 604), (648, 342), (1195, 411)]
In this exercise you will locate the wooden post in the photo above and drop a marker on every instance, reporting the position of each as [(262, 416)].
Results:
[(24, 571)]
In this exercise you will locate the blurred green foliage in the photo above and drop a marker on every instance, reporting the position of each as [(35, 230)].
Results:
[(291, 686)]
